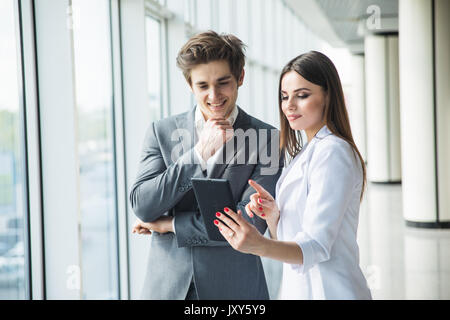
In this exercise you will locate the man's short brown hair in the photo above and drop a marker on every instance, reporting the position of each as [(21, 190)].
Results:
[(210, 46)]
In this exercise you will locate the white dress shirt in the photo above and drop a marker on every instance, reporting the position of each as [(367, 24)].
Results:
[(200, 122), (318, 195)]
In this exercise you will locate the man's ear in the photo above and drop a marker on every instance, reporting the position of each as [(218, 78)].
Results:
[(241, 78)]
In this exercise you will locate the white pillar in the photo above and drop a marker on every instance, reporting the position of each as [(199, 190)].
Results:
[(357, 105), (382, 108), (137, 119), (425, 115), (442, 67), (59, 151)]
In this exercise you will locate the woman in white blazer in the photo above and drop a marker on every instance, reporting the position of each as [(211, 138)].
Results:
[(313, 221)]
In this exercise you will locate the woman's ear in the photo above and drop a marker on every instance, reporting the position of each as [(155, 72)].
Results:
[(241, 78)]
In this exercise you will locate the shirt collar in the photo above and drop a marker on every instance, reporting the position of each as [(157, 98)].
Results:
[(323, 132), (200, 120)]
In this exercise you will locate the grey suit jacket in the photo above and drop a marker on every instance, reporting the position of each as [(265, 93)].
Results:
[(163, 187)]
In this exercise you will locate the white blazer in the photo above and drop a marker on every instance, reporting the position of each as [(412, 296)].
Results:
[(318, 195)]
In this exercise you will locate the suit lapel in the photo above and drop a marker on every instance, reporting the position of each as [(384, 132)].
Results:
[(242, 121), (187, 134)]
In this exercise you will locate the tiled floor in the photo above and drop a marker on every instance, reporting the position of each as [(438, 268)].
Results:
[(399, 262)]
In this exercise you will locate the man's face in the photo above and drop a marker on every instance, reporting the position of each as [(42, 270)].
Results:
[(215, 88)]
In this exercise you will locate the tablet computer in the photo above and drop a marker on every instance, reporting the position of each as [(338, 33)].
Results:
[(213, 195)]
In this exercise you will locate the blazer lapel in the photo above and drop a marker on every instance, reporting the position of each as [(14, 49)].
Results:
[(187, 134), (242, 121)]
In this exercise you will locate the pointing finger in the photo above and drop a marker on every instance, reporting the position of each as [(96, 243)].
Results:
[(261, 191)]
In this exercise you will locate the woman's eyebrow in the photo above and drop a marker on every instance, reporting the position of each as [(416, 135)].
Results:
[(296, 90)]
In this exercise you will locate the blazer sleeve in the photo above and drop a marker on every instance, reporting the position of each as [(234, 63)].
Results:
[(331, 183), (189, 226), (159, 188)]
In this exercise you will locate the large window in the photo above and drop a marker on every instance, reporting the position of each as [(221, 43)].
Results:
[(13, 264), (203, 14), (224, 12), (93, 87), (153, 42)]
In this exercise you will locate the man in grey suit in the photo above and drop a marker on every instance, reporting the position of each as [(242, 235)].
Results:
[(215, 139)]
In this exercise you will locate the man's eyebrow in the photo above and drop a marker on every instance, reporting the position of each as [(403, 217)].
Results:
[(224, 78), (296, 90), (199, 83)]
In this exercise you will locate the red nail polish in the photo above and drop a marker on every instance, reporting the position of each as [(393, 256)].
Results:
[(226, 209), (259, 200), (260, 209), (263, 215), (216, 222), (217, 214)]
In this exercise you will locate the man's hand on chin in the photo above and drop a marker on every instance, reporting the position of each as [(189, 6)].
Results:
[(161, 225)]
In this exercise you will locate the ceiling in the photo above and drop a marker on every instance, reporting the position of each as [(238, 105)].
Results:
[(344, 23)]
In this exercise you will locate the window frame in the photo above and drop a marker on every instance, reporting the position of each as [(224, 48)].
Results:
[(33, 152), (164, 74), (22, 114)]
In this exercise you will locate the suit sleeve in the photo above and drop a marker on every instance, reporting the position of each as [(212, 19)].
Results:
[(190, 229), (159, 188)]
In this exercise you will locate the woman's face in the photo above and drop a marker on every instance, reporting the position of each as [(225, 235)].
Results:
[(302, 103)]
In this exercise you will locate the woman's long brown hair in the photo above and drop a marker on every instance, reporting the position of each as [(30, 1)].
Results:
[(317, 68)]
